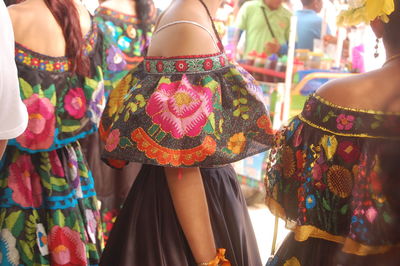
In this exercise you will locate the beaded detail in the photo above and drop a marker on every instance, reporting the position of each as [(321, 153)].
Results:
[(194, 64)]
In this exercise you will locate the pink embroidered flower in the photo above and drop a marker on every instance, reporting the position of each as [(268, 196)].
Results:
[(371, 214), (148, 66), (56, 166), (112, 140), (25, 183), (160, 66), (222, 61), (66, 247), (344, 122), (318, 170), (75, 103), (208, 64), (180, 108), (41, 126), (181, 66)]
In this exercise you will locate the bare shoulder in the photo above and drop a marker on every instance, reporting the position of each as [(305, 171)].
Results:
[(184, 38), (375, 90)]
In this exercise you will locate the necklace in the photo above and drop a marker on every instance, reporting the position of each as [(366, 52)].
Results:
[(394, 57)]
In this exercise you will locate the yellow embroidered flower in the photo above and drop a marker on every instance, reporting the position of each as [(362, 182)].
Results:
[(340, 181), (117, 95), (365, 11), (237, 143)]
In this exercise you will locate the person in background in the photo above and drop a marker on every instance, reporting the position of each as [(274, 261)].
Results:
[(309, 24), (186, 115), (266, 24), (126, 25), (13, 114), (334, 173), (48, 206)]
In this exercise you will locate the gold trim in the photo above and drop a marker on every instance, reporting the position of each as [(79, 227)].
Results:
[(362, 135), (326, 102), (304, 232)]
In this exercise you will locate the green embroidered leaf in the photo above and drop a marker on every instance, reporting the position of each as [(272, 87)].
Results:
[(126, 117), (15, 221), (59, 218), (243, 100), (236, 113), (243, 91), (69, 129), (326, 119), (208, 128), (27, 249), (221, 123), (244, 108), (245, 116), (235, 102), (388, 219), (133, 107), (125, 142), (50, 93), (91, 83), (344, 209), (326, 205), (211, 118), (27, 90), (226, 150)]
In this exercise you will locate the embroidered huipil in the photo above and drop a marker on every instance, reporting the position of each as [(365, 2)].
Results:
[(185, 111), (48, 206), (333, 175)]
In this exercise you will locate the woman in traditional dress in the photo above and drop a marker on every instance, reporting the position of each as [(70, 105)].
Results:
[(48, 208), (334, 173), (183, 108)]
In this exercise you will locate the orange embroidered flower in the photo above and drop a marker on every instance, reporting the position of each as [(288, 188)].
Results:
[(166, 156), (237, 143), (265, 123)]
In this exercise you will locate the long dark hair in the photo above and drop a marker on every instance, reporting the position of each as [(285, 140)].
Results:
[(145, 12), (67, 16)]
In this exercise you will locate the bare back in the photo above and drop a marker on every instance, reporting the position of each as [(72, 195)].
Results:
[(36, 28), (183, 39), (377, 90)]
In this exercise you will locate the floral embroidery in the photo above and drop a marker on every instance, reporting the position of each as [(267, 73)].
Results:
[(66, 247), (25, 183), (117, 95), (40, 131), (115, 59), (208, 64), (237, 143), (97, 103), (264, 122), (26, 58), (165, 156), (330, 144), (340, 181), (56, 166), (310, 201), (181, 66), (160, 66), (345, 122), (112, 140), (42, 240), (180, 108), (75, 103), (348, 151)]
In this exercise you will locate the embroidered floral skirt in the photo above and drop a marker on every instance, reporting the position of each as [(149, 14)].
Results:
[(112, 185), (49, 213), (147, 231), (320, 252)]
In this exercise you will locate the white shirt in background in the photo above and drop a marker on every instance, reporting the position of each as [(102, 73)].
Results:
[(13, 113)]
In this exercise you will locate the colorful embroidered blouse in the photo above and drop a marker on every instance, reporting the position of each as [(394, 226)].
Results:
[(62, 107), (334, 175), (126, 43), (185, 111)]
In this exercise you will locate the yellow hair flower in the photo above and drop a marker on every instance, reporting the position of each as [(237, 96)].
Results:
[(365, 11)]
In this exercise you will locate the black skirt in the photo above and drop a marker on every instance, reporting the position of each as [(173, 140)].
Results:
[(147, 231)]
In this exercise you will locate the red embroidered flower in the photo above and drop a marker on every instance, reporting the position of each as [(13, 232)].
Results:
[(222, 61), (319, 185), (57, 66), (301, 160), (35, 62), (181, 66), (66, 247), (75, 103), (24, 181), (160, 66), (148, 68), (348, 151), (344, 122), (208, 64)]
